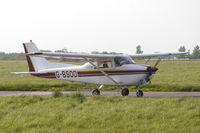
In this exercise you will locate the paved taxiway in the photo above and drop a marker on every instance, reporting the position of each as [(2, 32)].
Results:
[(104, 93)]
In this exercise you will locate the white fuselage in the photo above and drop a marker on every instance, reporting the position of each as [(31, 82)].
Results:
[(128, 74)]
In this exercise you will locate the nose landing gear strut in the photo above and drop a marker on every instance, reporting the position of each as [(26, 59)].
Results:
[(139, 92)]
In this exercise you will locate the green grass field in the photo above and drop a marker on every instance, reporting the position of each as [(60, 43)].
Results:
[(75, 114), (97, 114), (172, 76)]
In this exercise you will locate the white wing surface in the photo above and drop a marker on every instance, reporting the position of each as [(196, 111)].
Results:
[(73, 55), (157, 54), (80, 55)]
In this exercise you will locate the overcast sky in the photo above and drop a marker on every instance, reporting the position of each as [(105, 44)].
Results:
[(100, 25)]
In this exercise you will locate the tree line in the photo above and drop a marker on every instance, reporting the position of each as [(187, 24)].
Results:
[(195, 54), (12, 56)]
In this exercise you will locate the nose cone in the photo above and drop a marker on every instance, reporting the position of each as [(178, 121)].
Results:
[(152, 69)]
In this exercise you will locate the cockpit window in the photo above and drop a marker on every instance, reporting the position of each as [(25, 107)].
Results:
[(121, 60), (105, 64)]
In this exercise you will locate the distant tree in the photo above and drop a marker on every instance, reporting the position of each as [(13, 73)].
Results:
[(95, 52), (196, 52), (105, 52), (182, 49), (139, 50), (188, 53), (2, 53), (64, 50), (115, 53), (11, 56), (45, 50)]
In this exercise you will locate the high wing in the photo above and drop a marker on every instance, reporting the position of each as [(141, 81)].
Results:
[(156, 54), (80, 55), (72, 55)]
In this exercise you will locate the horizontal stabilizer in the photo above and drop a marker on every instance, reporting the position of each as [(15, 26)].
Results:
[(29, 72)]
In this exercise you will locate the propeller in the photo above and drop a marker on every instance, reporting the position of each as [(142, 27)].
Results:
[(147, 79), (151, 70)]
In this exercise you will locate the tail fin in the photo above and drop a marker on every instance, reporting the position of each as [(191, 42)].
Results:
[(37, 64)]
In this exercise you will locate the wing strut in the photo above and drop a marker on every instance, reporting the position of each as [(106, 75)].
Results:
[(158, 61), (108, 76), (147, 62)]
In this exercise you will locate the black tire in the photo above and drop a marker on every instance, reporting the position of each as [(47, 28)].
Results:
[(139, 93), (96, 92), (125, 92)]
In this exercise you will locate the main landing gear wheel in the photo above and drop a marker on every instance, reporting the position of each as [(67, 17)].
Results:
[(125, 92), (96, 92), (139, 93)]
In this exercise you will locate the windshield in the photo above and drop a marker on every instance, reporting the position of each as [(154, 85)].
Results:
[(121, 60)]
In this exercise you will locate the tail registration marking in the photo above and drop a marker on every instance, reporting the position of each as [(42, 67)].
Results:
[(66, 74)]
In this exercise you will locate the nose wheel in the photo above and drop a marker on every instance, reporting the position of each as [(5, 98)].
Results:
[(124, 92), (139, 93), (96, 92)]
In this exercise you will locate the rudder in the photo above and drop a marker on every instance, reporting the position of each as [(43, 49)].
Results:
[(37, 64)]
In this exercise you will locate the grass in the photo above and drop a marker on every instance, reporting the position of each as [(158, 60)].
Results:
[(76, 113), (172, 76), (72, 114), (177, 75), (56, 94)]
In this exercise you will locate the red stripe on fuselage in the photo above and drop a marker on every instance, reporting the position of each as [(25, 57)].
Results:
[(96, 73)]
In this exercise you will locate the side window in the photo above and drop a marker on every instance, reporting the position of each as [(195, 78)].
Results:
[(118, 61), (107, 64), (121, 60)]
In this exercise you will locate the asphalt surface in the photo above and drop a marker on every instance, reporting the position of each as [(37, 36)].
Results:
[(104, 93)]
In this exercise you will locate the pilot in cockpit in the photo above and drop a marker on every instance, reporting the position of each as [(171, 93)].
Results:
[(105, 65)]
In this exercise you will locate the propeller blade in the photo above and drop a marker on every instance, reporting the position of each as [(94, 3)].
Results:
[(150, 70), (149, 81)]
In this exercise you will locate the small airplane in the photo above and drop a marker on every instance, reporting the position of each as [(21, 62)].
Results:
[(103, 69)]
